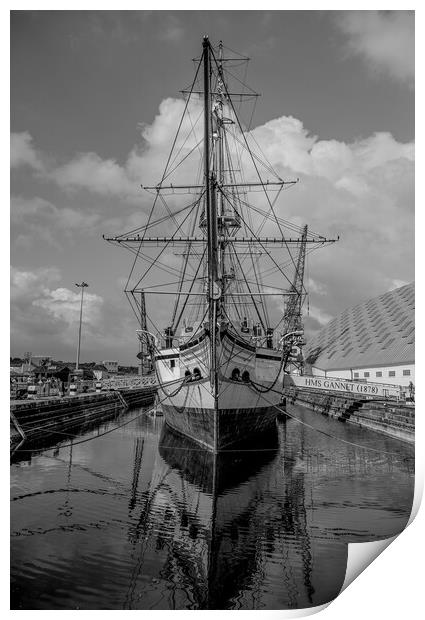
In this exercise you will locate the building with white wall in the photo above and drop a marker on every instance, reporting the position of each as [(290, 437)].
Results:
[(111, 365), (373, 341)]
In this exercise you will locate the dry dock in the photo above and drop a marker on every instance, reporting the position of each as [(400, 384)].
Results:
[(388, 417), (34, 419)]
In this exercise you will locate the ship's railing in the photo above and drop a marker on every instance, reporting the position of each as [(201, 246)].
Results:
[(36, 390), (130, 381)]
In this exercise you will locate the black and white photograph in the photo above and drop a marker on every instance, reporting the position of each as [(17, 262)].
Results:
[(212, 304)]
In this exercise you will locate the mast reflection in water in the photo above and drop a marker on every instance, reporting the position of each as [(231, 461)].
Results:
[(142, 518)]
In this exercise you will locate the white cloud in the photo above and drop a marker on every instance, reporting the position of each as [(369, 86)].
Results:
[(379, 149), (145, 162), (315, 287), (35, 219), (287, 143), (26, 284), (45, 318), (85, 171), (64, 304), (363, 190), (22, 152), (36, 296), (396, 284), (171, 29), (331, 159), (384, 39), (319, 315), (173, 32), (89, 171), (288, 146)]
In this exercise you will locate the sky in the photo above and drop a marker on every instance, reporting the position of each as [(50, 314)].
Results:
[(94, 98)]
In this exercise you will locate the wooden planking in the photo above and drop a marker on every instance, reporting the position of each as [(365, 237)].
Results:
[(234, 425)]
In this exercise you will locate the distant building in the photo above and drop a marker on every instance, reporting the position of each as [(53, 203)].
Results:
[(128, 370), (56, 371), (111, 366), (373, 341), (39, 360), (100, 372), (27, 367)]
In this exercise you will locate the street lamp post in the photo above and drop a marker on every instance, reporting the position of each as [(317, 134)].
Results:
[(82, 286)]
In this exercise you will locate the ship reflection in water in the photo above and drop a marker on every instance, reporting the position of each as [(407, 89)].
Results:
[(142, 518)]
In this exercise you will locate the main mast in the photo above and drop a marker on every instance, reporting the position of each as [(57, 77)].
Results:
[(214, 286), (226, 291)]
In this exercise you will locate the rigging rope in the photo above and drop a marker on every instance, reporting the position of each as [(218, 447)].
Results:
[(346, 441), (277, 407), (76, 443)]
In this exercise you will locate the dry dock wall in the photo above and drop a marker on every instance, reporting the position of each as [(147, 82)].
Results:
[(387, 417), (38, 418)]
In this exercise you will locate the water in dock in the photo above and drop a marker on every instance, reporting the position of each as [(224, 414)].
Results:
[(139, 518)]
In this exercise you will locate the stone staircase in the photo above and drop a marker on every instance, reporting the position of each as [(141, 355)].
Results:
[(351, 409), (388, 417)]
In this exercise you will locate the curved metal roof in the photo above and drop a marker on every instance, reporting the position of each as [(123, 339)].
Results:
[(377, 332)]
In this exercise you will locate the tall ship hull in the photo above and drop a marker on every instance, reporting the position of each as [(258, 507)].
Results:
[(246, 398)]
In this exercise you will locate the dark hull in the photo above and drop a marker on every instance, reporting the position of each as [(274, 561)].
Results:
[(225, 412), (220, 429)]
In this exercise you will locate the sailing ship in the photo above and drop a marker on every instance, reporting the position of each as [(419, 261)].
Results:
[(221, 359)]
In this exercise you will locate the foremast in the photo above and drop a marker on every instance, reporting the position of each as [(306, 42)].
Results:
[(214, 281)]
